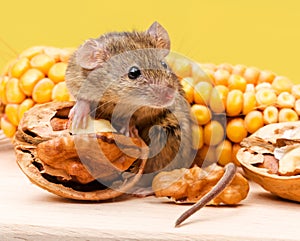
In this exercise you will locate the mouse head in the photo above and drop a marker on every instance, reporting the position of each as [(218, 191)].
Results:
[(130, 67), (94, 52)]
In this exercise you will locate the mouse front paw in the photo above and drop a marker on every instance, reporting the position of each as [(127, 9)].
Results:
[(78, 116)]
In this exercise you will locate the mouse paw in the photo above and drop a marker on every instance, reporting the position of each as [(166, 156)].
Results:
[(78, 116)]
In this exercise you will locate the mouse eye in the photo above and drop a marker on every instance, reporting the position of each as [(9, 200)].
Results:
[(134, 72), (164, 64)]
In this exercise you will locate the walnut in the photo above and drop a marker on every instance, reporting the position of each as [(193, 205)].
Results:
[(190, 185), (84, 166), (271, 157), (87, 157)]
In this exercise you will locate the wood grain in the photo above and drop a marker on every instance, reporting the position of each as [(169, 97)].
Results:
[(30, 213)]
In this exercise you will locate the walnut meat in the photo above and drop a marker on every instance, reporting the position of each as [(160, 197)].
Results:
[(189, 185), (93, 166), (271, 157)]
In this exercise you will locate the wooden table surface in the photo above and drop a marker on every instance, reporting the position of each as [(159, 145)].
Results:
[(30, 213)]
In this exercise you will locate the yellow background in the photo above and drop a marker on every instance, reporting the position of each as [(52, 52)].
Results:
[(262, 33)]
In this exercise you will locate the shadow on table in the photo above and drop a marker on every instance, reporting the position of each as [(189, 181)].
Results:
[(57, 199), (273, 197)]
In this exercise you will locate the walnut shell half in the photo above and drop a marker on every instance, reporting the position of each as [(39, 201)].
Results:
[(96, 166), (268, 158)]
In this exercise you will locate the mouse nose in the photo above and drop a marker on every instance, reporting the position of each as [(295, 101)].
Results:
[(168, 92), (165, 95)]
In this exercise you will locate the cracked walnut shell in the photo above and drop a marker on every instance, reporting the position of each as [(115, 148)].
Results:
[(271, 157), (190, 185), (93, 166)]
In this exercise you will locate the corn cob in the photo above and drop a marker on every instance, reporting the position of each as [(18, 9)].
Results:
[(36, 76), (248, 97)]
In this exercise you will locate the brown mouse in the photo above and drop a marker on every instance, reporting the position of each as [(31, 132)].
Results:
[(123, 77)]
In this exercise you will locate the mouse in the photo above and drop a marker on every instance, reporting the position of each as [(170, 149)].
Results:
[(124, 77)]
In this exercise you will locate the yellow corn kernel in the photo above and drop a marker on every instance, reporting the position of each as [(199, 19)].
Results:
[(217, 101), (201, 113), (5, 71), (188, 90), (266, 76), (263, 85), (188, 81), (239, 69), (29, 79), (253, 121), (234, 103), (198, 136), (57, 72), (282, 84), (13, 92), (199, 75), (251, 75), (285, 100), (236, 130), (226, 66), (221, 77), (223, 151), (250, 88), (182, 67), (3, 81), (42, 91), (286, 115), (29, 53), (265, 97), (213, 133), (202, 92), (296, 91), (60, 92), (270, 115), (210, 66), (53, 52), (207, 155), (8, 128), (209, 76), (223, 92), (25, 106), (42, 62), (20, 67), (249, 102), (11, 111), (235, 148), (188, 84), (237, 82), (65, 54), (297, 106)]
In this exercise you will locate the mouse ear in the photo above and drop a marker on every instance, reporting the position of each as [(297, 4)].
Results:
[(91, 54), (160, 34)]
